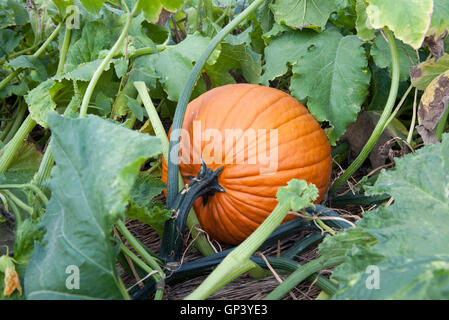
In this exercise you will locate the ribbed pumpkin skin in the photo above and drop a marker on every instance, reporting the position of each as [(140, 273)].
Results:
[(303, 153)]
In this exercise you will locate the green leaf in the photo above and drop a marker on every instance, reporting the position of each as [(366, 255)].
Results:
[(96, 36), (25, 165), (423, 74), (238, 56), (364, 29), (382, 57), (12, 13), (151, 10), (171, 5), (409, 238), (29, 62), (8, 41), (96, 164), (40, 100), (142, 206), (174, 64), (303, 13), (103, 103), (93, 6), (298, 194), (283, 50), (409, 20), (135, 108), (334, 78)]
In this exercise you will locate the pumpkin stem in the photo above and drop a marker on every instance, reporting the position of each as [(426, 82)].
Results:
[(205, 184)]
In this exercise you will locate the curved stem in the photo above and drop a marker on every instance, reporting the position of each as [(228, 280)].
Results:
[(301, 274), (412, 124), (237, 261), (9, 152), (172, 176), (155, 275), (105, 62), (47, 161), (19, 202), (203, 184), (27, 186), (382, 121), (64, 49), (399, 105), (138, 247)]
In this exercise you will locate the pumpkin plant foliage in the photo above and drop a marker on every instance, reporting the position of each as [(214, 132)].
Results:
[(90, 188), (404, 243)]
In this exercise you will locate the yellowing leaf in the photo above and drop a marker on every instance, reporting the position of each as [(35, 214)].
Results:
[(12, 282), (433, 104), (409, 19)]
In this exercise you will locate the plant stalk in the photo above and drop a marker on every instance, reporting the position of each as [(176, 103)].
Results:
[(382, 121), (238, 261), (105, 62), (301, 274)]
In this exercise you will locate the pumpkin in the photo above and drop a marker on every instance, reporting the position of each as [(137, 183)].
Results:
[(303, 152)]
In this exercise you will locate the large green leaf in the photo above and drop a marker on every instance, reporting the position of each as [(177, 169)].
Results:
[(333, 78), (303, 13), (409, 19), (174, 64), (282, 50), (95, 37), (96, 165), (409, 255)]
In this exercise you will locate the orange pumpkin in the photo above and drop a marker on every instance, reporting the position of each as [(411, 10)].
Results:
[(303, 152)]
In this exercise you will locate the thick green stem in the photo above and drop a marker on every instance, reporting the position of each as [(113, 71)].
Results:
[(382, 121), (27, 186), (413, 122), (47, 161), (138, 247), (301, 274), (201, 241), (64, 49), (172, 179), (154, 274), (10, 150), (238, 261), (105, 62)]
